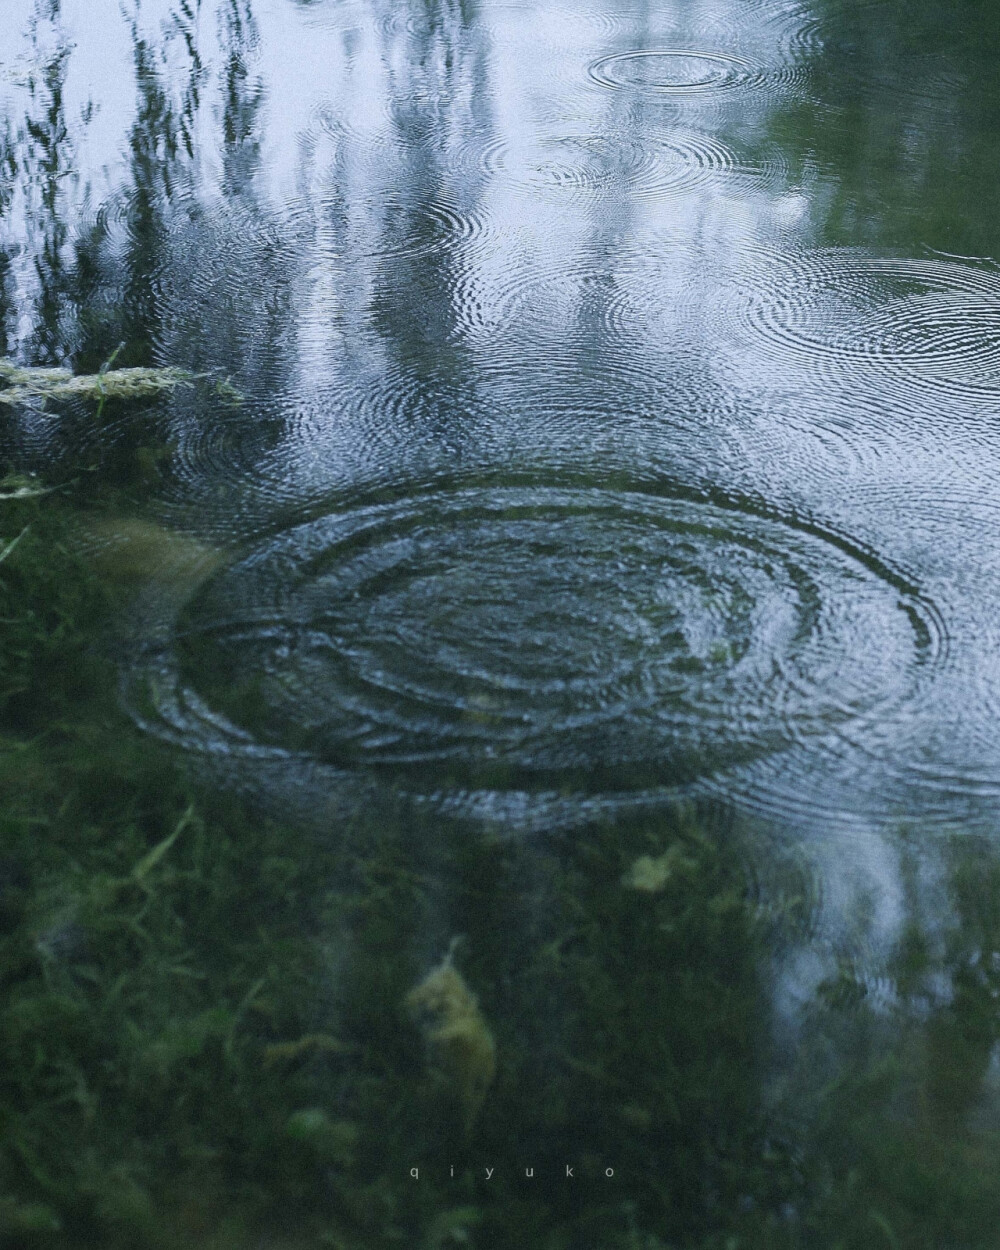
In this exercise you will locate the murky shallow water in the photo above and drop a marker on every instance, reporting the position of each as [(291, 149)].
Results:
[(617, 400)]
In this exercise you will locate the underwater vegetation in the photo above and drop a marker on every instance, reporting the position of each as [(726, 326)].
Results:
[(130, 550), (33, 386), (220, 1030), (224, 1029), (458, 1039)]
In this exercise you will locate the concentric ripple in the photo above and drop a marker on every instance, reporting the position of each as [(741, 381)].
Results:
[(594, 165), (686, 74), (918, 322), (670, 70), (607, 295), (799, 29), (396, 229), (535, 641)]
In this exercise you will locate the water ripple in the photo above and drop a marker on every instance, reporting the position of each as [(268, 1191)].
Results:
[(495, 648), (915, 322), (686, 72), (667, 70), (637, 165), (799, 29), (390, 227), (632, 295)]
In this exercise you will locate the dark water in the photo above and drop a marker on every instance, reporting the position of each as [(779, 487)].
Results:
[(595, 409)]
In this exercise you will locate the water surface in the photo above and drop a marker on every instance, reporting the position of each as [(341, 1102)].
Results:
[(594, 409)]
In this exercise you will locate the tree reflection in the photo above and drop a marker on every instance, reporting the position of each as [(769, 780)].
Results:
[(633, 1008), (902, 122), (243, 96), (171, 267), (45, 159)]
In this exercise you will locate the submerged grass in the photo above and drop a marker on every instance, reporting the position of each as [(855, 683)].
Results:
[(33, 386), (213, 1027)]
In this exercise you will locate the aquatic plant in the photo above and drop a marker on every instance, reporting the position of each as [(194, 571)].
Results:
[(211, 1018), (459, 1042), (200, 1027), (34, 386), (125, 550)]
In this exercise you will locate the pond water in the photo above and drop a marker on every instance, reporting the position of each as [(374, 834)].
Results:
[(588, 425)]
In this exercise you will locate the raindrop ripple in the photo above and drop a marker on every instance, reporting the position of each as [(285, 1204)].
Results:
[(916, 322), (640, 166), (674, 71), (518, 643)]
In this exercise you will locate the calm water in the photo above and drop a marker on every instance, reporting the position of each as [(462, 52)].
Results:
[(610, 415)]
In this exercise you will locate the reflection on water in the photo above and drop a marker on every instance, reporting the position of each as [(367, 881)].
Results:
[(589, 411)]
